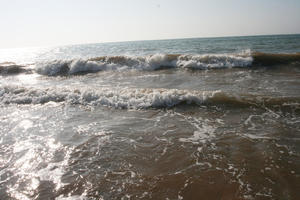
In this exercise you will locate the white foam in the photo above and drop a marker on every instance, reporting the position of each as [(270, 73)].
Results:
[(77, 66), (66, 67), (51, 68), (28, 167), (151, 62), (158, 60), (210, 61), (73, 197), (113, 97), (205, 131), (254, 137)]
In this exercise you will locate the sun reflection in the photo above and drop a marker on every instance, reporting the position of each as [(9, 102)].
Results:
[(34, 163), (28, 78), (26, 124), (34, 184), (20, 55)]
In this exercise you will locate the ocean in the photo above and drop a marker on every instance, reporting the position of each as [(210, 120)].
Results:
[(201, 118)]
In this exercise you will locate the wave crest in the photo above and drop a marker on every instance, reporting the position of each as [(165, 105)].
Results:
[(271, 59), (131, 98), (155, 62), (12, 68), (113, 97), (148, 63)]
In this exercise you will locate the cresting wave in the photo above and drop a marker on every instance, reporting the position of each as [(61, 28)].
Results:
[(9, 68), (271, 59), (131, 98), (112, 97), (148, 63), (154, 62)]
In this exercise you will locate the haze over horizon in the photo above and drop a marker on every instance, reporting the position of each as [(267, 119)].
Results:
[(49, 23)]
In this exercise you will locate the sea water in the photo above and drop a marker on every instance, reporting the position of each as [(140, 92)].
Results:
[(202, 118)]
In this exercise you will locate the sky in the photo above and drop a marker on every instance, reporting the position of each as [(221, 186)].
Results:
[(30, 23)]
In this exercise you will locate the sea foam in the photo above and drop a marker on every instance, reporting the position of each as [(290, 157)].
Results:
[(147, 63), (112, 97), (138, 98)]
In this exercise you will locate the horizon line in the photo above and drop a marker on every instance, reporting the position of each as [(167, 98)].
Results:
[(161, 39)]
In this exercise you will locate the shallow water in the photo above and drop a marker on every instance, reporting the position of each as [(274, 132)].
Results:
[(146, 126)]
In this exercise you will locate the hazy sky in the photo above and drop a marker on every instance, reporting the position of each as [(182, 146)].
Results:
[(57, 22)]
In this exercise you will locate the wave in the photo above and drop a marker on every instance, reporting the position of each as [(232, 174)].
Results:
[(271, 59), (144, 63), (131, 98), (9, 68), (155, 62), (112, 97)]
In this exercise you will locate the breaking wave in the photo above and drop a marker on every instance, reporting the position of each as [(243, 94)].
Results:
[(130, 98), (154, 62), (148, 63), (10, 68)]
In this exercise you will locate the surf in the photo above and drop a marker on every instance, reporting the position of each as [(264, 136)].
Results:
[(136, 98), (245, 59)]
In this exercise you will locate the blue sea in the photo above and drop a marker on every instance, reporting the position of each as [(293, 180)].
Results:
[(199, 118)]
